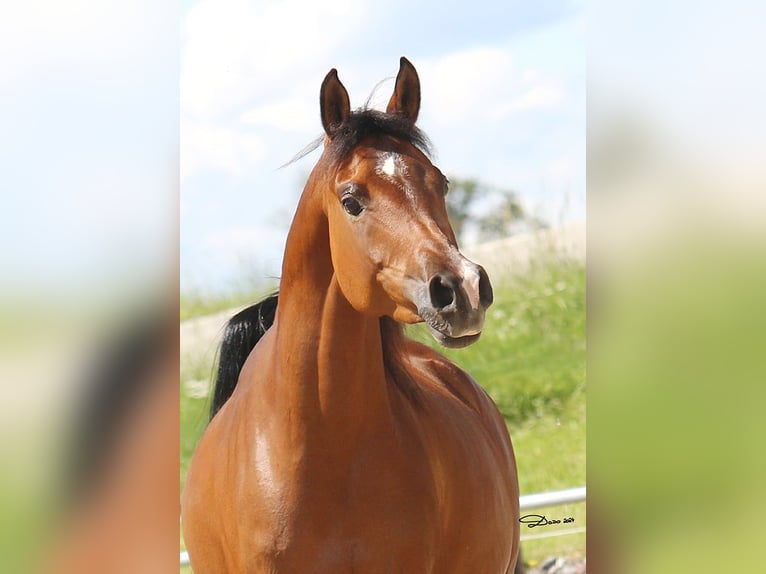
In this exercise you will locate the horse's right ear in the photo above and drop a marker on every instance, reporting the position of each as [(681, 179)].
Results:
[(405, 101), (334, 104)]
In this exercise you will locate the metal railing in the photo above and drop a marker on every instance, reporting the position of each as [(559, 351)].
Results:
[(526, 502), (553, 498)]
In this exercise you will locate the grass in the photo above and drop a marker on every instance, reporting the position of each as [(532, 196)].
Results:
[(198, 304), (531, 359)]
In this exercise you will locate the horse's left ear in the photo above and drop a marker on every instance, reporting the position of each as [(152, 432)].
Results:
[(405, 101), (334, 104)]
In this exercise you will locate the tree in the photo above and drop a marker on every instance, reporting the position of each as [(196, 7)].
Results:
[(462, 195), (479, 211)]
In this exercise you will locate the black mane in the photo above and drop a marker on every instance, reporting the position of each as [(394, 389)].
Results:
[(241, 335), (365, 123)]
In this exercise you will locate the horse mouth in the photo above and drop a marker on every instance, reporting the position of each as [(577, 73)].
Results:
[(453, 342), (444, 332)]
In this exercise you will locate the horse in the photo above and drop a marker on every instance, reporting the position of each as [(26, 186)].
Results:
[(336, 443)]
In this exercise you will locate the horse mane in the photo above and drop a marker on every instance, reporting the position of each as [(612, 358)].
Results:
[(245, 329), (364, 123), (241, 334)]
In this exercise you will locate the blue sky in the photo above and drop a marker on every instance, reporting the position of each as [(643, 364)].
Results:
[(503, 101)]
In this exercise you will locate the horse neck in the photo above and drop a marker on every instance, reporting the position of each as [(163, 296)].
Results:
[(329, 356)]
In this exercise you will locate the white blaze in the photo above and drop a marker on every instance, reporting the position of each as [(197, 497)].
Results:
[(392, 167), (471, 277), (389, 166)]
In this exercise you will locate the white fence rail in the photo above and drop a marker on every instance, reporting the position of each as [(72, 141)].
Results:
[(526, 502), (553, 498)]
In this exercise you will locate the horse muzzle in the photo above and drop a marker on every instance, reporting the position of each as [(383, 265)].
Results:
[(455, 305)]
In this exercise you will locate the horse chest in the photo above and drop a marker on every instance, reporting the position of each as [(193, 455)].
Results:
[(353, 517), (383, 509)]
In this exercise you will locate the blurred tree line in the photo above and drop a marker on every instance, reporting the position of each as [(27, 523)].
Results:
[(480, 212)]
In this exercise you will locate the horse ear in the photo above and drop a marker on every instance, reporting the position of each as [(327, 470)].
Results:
[(405, 100), (334, 104)]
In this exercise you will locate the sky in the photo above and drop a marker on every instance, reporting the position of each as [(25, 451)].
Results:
[(123, 122), (503, 100), (89, 147)]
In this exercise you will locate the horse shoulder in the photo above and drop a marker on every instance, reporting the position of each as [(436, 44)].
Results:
[(472, 460), (449, 378), (451, 382)]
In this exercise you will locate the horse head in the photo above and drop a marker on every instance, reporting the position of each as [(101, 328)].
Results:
[(393, 250)]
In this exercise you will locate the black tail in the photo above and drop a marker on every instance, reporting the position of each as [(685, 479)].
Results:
[(242, 333)]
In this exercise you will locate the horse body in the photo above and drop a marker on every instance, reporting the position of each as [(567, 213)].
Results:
[(346, 447)]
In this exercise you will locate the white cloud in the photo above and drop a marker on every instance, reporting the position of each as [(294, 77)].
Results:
[(208, 146), (235, 51), (294, 114), (537, 97), (484, 84), (241, 238), (457, 86), (562, 169), (232, 247), (48, 34), (243, 67)]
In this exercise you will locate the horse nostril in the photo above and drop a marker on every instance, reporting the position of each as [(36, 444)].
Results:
[(485, 289), (442, 291)]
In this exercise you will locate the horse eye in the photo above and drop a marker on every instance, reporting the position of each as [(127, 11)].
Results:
[(351, 205)]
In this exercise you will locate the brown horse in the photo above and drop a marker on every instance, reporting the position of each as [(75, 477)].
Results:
[(343, 446)]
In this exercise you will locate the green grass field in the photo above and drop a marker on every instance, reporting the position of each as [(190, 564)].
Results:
[(531, 359)]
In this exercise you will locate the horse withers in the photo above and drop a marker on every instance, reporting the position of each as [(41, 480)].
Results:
[(336, 444)]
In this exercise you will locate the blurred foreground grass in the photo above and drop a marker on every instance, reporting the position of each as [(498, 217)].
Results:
[(676, 403), (531, 359)]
